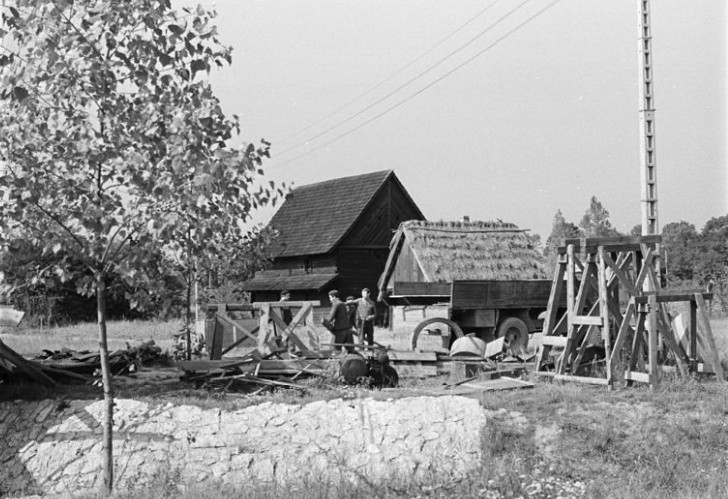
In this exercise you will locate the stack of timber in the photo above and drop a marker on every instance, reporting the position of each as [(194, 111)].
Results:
[(420, 364), (242, 372)]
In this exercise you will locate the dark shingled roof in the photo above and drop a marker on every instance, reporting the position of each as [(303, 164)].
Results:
[(315, 217), (272, 280)]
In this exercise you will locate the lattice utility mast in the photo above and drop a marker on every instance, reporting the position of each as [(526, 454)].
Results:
[(647, 125)]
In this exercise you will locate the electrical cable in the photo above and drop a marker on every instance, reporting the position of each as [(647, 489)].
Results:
[(408, 82), (388, 78), (467, 61)]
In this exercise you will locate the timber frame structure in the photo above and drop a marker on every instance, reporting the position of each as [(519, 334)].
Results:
[(271, 335), (598, 275)]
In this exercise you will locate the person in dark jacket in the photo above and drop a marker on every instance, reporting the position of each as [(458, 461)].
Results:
[(286, 314), (338, 321), (366, 312)]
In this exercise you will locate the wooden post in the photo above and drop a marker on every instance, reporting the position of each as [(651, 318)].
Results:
[(604, 312), (652, 342), (693, 337)]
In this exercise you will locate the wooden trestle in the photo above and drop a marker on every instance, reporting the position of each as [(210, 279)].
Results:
[(609, 310)]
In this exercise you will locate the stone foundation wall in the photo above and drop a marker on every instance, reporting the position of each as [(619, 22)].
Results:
[(54, 446)]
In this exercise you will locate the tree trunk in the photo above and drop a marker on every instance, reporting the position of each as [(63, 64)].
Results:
[(188, 314), (108, 423)]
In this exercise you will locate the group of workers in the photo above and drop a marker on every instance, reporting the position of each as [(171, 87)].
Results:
[(346, 317)]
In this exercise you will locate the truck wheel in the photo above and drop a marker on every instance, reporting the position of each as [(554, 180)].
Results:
[(436, 320), (516, 333)]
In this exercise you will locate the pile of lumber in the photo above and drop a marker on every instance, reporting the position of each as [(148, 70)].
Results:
[(244, 372), (411, 364), (88, 363)]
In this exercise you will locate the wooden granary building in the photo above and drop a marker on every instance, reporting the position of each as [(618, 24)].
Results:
[(334, 235)]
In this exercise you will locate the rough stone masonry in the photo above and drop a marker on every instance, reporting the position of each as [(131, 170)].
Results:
[(54, 446)]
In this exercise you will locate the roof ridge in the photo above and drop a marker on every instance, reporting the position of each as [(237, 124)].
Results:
[(350, 177)]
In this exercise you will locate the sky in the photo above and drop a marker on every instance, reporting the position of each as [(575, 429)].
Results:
[(542, 117)]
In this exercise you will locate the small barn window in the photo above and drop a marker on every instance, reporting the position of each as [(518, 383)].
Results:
[(307, 267)]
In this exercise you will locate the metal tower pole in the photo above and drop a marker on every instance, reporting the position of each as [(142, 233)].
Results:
[(647, 125)]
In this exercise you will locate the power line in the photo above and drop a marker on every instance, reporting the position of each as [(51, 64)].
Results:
[(405, 84), (467, 61), (388, 78)]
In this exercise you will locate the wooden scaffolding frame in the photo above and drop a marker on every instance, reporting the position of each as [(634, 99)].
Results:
[(271, 334), (614, 302)]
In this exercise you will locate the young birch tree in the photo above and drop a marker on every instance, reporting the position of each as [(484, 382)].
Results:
[(112, 143)]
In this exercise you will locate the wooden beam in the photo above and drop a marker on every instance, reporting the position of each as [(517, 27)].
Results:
[(624, 329), (587, 320), (604, 311), (569, 377), (652, 343), (708, 339), (554, 341), (669, 297), (26, 366), (637, 376), (668, 336), (629, 286)]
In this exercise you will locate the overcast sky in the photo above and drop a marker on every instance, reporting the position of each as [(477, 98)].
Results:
[(540, 121)]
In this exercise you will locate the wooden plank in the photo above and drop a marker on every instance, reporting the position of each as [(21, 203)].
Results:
[(668, 337), (404, 356), (495, 347), (570, 307), (9, 317), (441, 289), (652, 343), (285, 304), (492, 294), (646, 263), (624, 330), (554, 341), (226, 320), (210, 365), (414, 371), (26, 366), (621, 276), (586, 320), (604, 311), (266, 334), (570, 377), (241, 340), (668, 297), (708, 339), (557, 287), (637, 376), (231, 307)]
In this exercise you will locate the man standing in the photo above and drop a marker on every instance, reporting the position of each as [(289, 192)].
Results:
[(338, 321), (286, 314), (366, 312)]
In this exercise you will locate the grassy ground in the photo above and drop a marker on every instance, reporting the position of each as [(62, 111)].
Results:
[(556, 440), (31, 341)]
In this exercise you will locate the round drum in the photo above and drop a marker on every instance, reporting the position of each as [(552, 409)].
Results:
[(353, 369)]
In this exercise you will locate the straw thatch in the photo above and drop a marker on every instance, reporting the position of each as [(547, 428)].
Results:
[(447, 251)]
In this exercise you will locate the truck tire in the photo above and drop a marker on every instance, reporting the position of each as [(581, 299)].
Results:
[(516, 334), (433, 320)]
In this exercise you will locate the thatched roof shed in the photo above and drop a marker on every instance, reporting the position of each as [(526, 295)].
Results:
[(424, 251)]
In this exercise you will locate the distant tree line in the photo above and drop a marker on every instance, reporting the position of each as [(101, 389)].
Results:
[(692, 258), (57, 299)]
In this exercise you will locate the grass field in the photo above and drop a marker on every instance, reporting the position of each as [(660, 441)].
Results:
[(31, 342)]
